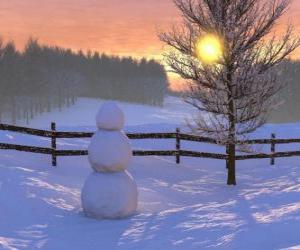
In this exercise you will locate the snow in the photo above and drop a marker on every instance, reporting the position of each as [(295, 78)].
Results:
[(109, 195), (109, 151), (110, 117), (185, 206), (83, 114)]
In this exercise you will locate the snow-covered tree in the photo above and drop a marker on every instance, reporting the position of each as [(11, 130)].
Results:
[(227, 52)]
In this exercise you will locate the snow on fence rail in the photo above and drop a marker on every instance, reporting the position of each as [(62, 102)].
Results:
[(178, 152)]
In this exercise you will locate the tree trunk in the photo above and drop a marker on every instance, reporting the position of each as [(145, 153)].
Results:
[(231, 145), (73, 99), (14, 111), (231, 180)]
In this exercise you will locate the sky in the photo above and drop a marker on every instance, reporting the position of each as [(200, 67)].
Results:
[(119, 27)]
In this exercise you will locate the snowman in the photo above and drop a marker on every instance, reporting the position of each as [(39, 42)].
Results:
[(109, 192)]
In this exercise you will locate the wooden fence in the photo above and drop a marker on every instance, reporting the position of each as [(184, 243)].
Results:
[(177, 135)]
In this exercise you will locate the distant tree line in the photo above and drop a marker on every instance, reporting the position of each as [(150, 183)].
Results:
[(288, 109), (288, 99), (42, 77)]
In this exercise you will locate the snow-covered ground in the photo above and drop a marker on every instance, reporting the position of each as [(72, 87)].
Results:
[(83, 114), (186, 206)]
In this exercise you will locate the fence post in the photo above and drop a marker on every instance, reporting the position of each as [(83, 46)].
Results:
[(273, 147), (177, 145), (53, 144)]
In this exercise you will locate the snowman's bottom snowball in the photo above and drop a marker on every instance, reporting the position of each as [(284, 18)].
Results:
[(109, 195)]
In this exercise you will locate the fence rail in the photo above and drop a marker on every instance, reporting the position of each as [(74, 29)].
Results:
[(178, 152)]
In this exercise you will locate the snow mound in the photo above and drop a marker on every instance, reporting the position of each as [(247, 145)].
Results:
[(109, 151), (109, 196), (110, 117)]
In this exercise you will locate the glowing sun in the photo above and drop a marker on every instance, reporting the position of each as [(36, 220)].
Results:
[(209, 49)]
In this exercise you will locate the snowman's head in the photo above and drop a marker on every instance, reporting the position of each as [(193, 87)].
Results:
[(110, 117)]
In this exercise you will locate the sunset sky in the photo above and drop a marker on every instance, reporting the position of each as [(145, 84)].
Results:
[(122, 27)]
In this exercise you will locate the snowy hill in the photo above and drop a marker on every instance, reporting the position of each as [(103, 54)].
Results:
[(186, 206), (83, 113)]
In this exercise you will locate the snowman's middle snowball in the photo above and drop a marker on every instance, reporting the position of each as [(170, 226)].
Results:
[(109, 151)]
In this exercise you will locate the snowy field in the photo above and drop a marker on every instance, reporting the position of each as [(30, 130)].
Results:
[(186, 206)]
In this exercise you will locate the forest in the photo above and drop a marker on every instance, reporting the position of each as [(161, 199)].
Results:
[(41, 78), (288, 98)]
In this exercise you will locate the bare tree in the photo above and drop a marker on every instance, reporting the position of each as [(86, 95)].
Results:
[(237, 91)]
